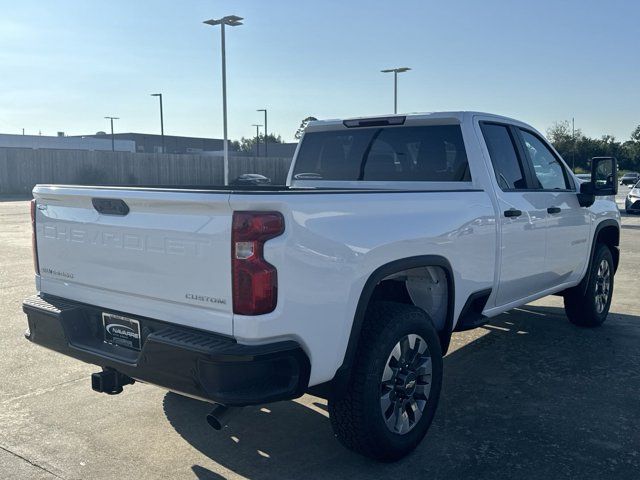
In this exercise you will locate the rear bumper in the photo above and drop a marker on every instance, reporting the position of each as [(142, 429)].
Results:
[(185, 360)]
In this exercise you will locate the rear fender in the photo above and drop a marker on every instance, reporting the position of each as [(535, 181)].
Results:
[(341, 379)]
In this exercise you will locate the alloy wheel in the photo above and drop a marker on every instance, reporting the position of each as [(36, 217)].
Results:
[(406, 384), (603, 285)]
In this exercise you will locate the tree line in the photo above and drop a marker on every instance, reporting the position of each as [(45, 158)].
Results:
[(249, 144), (577, 149)]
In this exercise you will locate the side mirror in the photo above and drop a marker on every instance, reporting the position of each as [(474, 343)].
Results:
[(604, 176), (604, 180)]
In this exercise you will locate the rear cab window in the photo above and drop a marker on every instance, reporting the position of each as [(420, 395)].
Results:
[(430, 153)]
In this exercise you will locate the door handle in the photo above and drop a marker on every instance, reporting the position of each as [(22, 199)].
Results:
[(512, 212), (554, 210)]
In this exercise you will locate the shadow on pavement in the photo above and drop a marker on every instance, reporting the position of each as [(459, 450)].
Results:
[(533, 397)]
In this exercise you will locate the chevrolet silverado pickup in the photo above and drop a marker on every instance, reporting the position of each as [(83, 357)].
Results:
[(390, 234)]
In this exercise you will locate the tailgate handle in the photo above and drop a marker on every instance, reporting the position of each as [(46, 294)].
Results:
[(110, 206)]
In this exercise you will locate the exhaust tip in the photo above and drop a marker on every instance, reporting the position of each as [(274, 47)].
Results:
[(214, 422), (219, 416)]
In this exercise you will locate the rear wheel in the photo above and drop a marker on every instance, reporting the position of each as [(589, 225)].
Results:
[(590, 308), (395, 384)]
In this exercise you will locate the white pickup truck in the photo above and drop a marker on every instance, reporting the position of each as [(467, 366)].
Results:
[(391, 233)]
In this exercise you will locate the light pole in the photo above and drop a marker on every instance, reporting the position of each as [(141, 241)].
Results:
[(395, 71), (573, 147), (266, 132), (113, 141), (159, 95), (232, 21), (257, 138)]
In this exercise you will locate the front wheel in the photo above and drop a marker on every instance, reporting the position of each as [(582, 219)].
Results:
[(590, 308), (395, 384)]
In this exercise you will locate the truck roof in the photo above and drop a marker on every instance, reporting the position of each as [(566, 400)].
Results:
[(457, 116)]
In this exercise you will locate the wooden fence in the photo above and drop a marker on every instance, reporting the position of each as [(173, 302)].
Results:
[(22, 168)]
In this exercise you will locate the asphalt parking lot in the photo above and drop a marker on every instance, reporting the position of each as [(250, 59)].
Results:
[(528, 396)]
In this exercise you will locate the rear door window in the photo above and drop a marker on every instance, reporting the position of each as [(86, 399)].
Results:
[(502, 150), (417, 154)]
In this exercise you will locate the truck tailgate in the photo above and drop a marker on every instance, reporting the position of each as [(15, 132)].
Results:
[(168, 258)]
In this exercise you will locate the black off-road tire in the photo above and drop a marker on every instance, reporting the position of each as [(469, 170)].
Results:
[(356, 417), (582, 308)]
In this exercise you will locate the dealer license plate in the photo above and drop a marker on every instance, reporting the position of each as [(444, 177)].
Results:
[(121, 331)]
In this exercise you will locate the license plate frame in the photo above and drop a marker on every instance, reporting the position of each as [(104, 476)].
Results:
[(121, 331)]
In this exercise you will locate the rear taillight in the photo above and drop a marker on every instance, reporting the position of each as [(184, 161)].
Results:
[(34, 244), (255, 281)]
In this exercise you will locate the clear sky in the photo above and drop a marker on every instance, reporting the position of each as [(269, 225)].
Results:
[(64, 65)]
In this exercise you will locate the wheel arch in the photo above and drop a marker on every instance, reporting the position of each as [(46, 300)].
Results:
[(608, 233), (340, 380)]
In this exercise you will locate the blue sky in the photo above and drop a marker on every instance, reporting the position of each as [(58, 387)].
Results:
[(64, 65)]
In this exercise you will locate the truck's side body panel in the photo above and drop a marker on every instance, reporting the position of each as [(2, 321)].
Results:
[(333, 242)]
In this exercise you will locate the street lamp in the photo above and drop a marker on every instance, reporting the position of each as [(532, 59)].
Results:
[(257, 138), (573, 142), (159, 95), (113, 142), (395, 71), (266, 140), (232, 21)]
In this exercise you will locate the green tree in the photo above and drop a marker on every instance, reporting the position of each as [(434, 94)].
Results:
[(632, 150), (581, 149), (249, 144), (561, 132), (566, 141), (303, 125)]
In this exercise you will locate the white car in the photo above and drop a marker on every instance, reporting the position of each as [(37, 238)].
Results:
[(583, 177), (632, 202), (391, 234)]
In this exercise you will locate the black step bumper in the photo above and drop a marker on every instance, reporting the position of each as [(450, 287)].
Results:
[(189, 361)]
